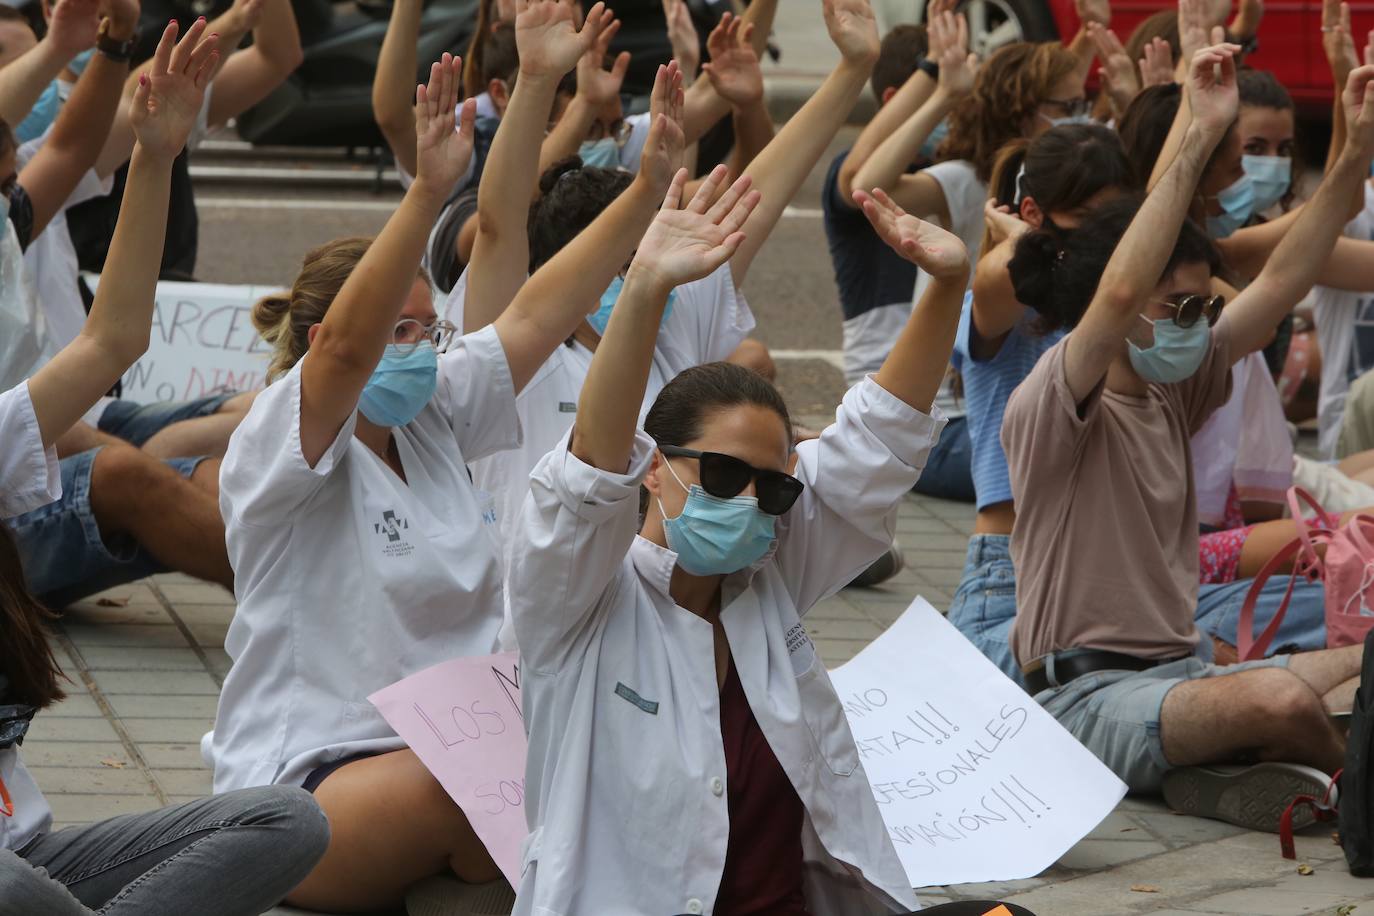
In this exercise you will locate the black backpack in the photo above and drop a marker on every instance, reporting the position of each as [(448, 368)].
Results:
[(1357, 779)]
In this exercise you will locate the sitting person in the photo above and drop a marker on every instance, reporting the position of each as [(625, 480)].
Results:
[(191, 857), (1105, 537)]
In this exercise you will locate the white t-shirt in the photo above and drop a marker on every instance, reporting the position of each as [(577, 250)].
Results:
[(29, 478), (1345, 334), (349, 579), (634, 144), (709, 320)]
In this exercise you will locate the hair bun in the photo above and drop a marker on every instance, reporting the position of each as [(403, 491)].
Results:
[(271, 314), (557, 171), (1032, 268)]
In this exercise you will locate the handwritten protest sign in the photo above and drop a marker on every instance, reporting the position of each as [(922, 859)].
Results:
[(463, 719), (974, 780), (203, 342)]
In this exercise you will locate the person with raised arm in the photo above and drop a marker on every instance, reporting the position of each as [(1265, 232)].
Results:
[(679, 636), (1105, 539), (352, 463), (186, 858)]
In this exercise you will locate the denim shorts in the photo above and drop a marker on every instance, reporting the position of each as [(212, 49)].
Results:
[(948, 473), (985, 602), (137, 423), (63, 555), (1115, 714)]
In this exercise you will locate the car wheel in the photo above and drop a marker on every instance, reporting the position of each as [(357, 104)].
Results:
[(995, 23)]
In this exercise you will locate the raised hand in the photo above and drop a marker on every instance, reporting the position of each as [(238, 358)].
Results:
[(682, 35), (935, 43), (441, 152), (74, 26), (1358, 102), (1369, 47), (1211, 87), (547, 36), (734, 68), (1338, 41), (1157, 66), (1117, 71), (1194, 27), (957, 66), (1094, 11), (663, 149), (168, 97), (1002, 223), (247, 13), (937, 252), (853, 29), (123, 16), (686, 244), (597, 85)]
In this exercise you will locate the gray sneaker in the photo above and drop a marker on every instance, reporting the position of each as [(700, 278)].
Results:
[(1253, 797), (881, 569)]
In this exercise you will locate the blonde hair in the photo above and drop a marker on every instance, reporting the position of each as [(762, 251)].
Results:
[(1010, 86), (284, 319)]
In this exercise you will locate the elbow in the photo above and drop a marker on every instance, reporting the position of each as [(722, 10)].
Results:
[(347, 356), (290, 59), (1119, 298)]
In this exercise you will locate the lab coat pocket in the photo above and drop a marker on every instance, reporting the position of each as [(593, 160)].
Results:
[(820, 708)]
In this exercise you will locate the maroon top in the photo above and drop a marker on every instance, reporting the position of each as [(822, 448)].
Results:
[(763, 861)]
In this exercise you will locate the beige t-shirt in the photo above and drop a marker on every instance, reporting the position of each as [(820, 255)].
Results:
[(1106, 538)]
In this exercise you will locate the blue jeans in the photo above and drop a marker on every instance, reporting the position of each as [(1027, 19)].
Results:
[(60, 547), (985, 605), (228, 855), (137, 423), (948, 473)]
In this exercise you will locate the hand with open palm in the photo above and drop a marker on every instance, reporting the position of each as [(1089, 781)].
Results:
[(442, 153), (934, 250), (853, 29), (547, 36), (666, 143), (734, 68), (687, 243), (168, 97)]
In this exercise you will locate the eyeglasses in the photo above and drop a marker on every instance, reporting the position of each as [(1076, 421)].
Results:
[(619, 131), (410, 333), (724, 476), (1189, 308), (1072, 108)]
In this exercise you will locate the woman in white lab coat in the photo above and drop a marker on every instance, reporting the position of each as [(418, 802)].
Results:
[(688, 753)]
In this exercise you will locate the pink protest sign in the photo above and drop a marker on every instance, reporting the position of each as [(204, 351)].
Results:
[(463, 719)]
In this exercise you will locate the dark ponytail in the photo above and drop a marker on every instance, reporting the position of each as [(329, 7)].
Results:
[(571, 196), (26, 659)]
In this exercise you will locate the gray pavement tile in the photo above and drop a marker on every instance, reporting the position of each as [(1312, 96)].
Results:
[(1119, 825), (182, 755), (131, 658), (192, 614), (159, 706), (165, 682), (992, 890), (179, 783), (1182, 831), (195, 593), (166, 730), (87, 809), (209, 635), (96, 780), (88, 636), (857, 627), (76, 704), (924, 560), (138, 614), (1270, 901), (921, 544), (39, 752), (72, 728), (1092, 854)]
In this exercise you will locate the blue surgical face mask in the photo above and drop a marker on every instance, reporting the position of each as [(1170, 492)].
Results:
[(1071, 119), (600, 154), (42, 115), (937, 136), (714, 536), (401, 385), (1270, 177), (1176, 353), (1237, 201), (79, 62), (602, 316)]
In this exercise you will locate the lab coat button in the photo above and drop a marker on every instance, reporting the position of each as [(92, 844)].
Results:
[(694, 906), (717, 787)]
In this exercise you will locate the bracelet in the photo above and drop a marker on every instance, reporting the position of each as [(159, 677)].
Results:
[(118, 51), (930, 68)]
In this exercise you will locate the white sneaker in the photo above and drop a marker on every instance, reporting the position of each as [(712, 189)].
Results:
[(1253, 797)]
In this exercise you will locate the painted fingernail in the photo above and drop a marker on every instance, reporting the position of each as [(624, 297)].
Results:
[(143, 79)]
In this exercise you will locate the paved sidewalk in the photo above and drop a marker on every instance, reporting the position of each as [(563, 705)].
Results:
[(147, 661)]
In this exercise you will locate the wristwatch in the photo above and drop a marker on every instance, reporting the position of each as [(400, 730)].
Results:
[(115, 50), (930, 68)]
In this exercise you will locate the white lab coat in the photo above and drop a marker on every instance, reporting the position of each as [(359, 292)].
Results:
[(349, 579), (29, 478), (626, 799)]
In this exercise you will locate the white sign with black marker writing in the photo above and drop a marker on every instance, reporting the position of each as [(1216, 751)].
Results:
[(974, 780)]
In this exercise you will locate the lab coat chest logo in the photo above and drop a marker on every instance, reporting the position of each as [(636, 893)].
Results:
[(800, 649), (392, 530)]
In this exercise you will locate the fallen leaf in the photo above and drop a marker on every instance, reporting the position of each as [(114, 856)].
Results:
[(1336, 837), (112, 602), (1144, 888), (1345, 909), (1128, 829), (113, 764), (1304, 869)]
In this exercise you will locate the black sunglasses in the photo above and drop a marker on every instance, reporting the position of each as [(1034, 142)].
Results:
[(1189, 309), (724, 476)]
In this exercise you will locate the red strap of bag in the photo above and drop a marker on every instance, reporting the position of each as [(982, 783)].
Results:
[(6, 804), (1248, 647)]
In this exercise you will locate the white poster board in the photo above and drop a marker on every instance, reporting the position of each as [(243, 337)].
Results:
[(203, 343), (974, 780)]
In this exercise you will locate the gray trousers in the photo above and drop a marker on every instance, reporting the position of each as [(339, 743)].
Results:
[(236, 854)]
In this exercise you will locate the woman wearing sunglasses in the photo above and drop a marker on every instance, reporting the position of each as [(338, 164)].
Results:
[(688, 753), (1105, 540)]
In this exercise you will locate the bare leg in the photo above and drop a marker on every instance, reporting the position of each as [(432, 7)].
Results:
[(206, 477), (1341, 698), (752, 354), (1268, 713), (1357, 464), (391, 825), (202, 435), (172, 518), (1326, 670)]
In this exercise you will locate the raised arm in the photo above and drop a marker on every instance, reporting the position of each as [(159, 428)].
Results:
[(1297, 261), (1193, 35), (394, 85), (250, 74), (784, 164), (703, 106), (345, 347), (1091, 13), (550, 45), (887, 167), (73, 146), (71, 31), (681, 245), (116, 331), (553, 302), (996, 309), (1138, 262), (597, 87)]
